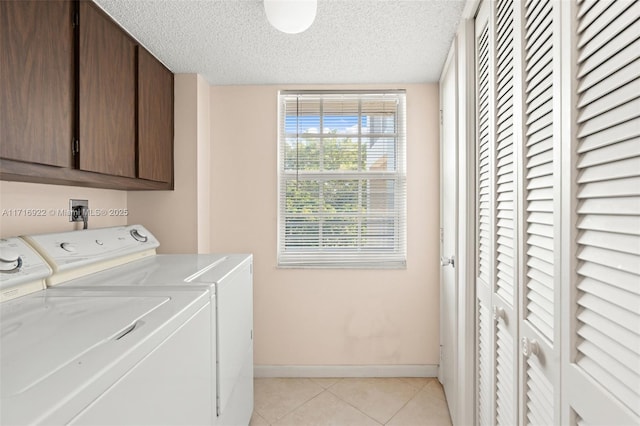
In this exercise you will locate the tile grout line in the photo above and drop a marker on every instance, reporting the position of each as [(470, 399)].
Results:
[(405, 404), (354, 407), (417, 389), (298, 406)]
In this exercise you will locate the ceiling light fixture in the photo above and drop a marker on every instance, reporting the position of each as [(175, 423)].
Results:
[(291, 16)]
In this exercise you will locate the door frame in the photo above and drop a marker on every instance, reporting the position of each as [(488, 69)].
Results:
[(465, 247)]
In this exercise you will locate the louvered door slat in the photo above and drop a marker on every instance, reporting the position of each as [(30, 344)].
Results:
[(594, 60), (619, 133), (610, 223), (619, 187), (538, 83), (485, 375), (590, 11), (614, 277), (531, 10), (542, 290), (622, 97), (618, 151), (538, 30), (610, 118), (539, 203), (614, 242), (539, 395), (504, 377), (485, 370), (483, 141), (608, 26), (607, 326), (540, 157), (504, 158)]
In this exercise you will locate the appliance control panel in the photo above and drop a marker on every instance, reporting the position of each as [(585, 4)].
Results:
[(93, 247), (20, 264)]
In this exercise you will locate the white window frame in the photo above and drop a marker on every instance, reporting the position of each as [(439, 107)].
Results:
[(357, 256)]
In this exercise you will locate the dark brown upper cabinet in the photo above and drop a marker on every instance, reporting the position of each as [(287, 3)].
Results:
[(37, 81), (107, 97), (81, 103), (155, 119)]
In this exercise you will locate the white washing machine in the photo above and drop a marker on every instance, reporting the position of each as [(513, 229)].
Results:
[(133, 264), (87, 356)]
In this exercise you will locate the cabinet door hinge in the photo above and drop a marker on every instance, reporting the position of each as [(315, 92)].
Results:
[(76, 20), (75, 146)]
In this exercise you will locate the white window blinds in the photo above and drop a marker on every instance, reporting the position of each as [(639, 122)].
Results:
[(342, 180)]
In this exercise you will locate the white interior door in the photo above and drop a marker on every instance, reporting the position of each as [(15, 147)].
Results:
[(448, 232)]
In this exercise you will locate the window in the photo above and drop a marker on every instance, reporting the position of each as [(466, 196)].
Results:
[(342, 181)]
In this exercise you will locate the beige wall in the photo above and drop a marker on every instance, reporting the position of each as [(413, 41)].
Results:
[(326, 317), (203, 174), (49, 200), (175, 217)]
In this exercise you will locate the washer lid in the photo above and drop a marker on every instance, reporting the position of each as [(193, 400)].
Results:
[(41, 335), (62, 348)]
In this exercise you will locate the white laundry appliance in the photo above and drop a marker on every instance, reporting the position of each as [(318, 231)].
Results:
[(129, 251), (86, 357)]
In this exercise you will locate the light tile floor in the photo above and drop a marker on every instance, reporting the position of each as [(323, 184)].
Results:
[(349, 402)]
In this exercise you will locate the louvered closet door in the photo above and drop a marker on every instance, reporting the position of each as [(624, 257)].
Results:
[(602, 370), (541, 209), (505, 188), (485, 392), (496, 221)]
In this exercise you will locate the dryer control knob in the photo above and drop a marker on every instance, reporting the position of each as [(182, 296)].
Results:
[(139, 236), (68, 247)]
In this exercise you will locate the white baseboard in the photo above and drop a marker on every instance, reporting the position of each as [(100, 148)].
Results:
[(423, 370)]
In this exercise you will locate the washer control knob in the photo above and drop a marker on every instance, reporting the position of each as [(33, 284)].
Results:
[(10, 261), (139, 236), (68, 247)]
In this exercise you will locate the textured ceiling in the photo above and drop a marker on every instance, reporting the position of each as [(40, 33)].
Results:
[(351, 41)]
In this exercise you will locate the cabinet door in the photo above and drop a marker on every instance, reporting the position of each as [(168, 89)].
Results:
[(107, 95), (36, 88), (155, 119)]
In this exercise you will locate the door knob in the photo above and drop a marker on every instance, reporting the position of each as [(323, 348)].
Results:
[(498, 313), (446, 261), (529, 347)]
